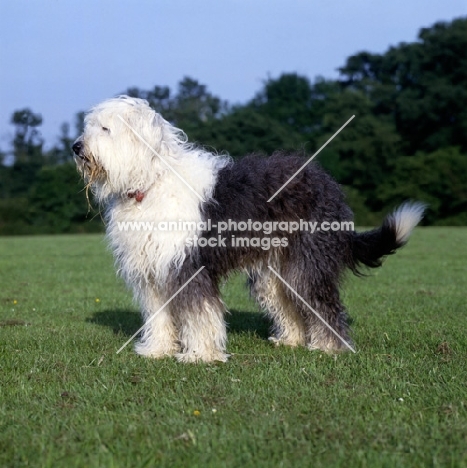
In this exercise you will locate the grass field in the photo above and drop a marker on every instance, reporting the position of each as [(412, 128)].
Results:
[(67, 399)]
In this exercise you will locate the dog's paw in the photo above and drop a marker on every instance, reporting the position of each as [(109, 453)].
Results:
[(155, 352), (195, 357), (274, 340), (283, 342), (331, 349)]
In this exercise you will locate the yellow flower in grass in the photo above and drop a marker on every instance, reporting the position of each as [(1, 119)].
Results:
[(15, 302), (196, 412), (98, 300)]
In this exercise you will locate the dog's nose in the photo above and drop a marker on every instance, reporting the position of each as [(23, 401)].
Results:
[(77, 146)]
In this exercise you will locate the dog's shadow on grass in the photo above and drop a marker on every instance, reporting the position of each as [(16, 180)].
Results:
[(239, 322), (125, 322), (121, 321)]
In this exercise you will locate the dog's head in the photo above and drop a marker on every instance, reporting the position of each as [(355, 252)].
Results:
[(124, 146)]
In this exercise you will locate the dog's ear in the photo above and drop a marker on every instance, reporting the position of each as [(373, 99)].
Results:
[(136, 121), (138, 117)]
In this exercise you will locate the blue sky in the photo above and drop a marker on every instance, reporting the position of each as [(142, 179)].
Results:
[(58, 57)]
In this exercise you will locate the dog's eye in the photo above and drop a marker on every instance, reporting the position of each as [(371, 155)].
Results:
[(106, 129)]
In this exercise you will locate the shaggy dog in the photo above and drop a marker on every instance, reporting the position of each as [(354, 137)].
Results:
[(142, 170)]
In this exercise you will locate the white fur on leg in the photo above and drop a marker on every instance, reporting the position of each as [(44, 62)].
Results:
[(203, 335), (159, 335), (288, 325)]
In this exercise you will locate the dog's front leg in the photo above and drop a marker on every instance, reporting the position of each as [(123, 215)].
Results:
[(199, 315), (159, 336)]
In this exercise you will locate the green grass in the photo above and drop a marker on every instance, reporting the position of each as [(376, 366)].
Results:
[(67, 399)]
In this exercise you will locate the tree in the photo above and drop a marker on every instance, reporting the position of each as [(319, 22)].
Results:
[(193, 105), (422, 85), (364, 153), (287, 100), (57, 203), (438, 178), (295, 103), (245, 131), (159, 98), (432, 111), (27, 142)]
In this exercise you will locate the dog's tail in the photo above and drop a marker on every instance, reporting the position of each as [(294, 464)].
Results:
[(369, 248)]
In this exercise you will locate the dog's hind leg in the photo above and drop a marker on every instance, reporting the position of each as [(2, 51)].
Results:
[(313, 290), (332, 337), (159, 336), (324, 315), (288, 326)]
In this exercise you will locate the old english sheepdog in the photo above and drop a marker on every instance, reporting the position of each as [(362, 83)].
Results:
[(145, 174)]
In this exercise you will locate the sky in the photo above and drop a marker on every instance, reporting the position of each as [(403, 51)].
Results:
[(59, 57)]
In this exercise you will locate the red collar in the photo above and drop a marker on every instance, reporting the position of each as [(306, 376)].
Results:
[(136, 194)]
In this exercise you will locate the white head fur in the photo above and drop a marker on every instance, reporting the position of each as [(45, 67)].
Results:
[(133, 144)]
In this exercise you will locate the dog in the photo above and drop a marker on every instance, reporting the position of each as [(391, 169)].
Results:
[(141, 169)]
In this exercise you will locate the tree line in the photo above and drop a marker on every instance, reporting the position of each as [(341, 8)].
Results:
[(408, 140)]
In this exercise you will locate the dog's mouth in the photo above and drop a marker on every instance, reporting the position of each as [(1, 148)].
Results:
[(84, 163), (87, 166), (90, 170)]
